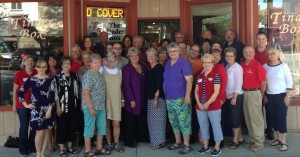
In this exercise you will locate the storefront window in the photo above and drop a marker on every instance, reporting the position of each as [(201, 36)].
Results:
[(27, 28), (157, 30), (214, 17), (280, 19), (110, 20)]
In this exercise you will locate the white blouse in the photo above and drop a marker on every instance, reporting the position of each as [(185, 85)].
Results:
[(279, 78), (235, 80)]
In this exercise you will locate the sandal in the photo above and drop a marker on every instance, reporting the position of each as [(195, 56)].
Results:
[(175, 146), (157, 146), (118, 148), (109, 146), (231, 142), (275, 143), (102, 151), (62, 153), (283, 147), (89, 154), (71, 150), (185, 149), (234, 145)]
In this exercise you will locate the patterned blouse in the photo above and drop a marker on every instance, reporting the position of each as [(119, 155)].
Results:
[(96, 86)]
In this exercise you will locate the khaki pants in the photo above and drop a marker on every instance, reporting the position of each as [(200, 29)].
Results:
[(254, 116)]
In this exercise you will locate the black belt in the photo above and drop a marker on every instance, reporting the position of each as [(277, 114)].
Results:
[(251, 89)]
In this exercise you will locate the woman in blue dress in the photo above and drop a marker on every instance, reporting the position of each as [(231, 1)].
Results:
[(43, 100)]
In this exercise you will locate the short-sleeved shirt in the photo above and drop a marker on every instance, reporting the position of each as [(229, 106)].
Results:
[(121, 63), (261, 56), (19, 79), (95, 83), (254, 74), (174, 78), (75, 66)]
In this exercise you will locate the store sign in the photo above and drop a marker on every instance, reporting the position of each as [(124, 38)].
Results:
[(105, 12), (110, 20), (25, 27), (278, 18)]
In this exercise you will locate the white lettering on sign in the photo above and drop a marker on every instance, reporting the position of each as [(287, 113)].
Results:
[(116, 30), (285, 19), (21, 22)]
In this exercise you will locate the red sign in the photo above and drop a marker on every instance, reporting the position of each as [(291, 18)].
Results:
[(275, 17), (15, 24)]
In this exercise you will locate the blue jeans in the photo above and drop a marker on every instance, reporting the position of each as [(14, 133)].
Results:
[(25, 143)]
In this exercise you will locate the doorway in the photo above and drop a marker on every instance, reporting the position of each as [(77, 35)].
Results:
[(216, 17)]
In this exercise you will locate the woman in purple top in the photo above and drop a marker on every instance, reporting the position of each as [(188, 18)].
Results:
[(178, 78), (135, 114)]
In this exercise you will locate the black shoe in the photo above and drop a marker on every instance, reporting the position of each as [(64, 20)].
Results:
[(270, 136)]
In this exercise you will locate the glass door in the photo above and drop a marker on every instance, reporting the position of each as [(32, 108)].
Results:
[(157, 29), (215, 17)]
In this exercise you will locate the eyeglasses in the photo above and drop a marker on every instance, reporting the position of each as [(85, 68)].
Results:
[(178, 37), (207, 62), (119, 48), (76, 51), (173, 51), (44, 67), (66, 63), (271, 54), (194, 50)]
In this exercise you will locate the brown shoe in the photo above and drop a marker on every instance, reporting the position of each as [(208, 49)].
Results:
[(248, 144), (255, 147)]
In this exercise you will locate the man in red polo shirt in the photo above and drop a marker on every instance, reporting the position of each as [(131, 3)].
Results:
[(261, 56), (254, 86)]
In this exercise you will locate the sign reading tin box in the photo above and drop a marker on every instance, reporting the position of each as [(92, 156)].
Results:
[(110, 20)]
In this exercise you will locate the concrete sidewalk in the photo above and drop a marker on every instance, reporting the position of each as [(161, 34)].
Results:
[(142, 150)]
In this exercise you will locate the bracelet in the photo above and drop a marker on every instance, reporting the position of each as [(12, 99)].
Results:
[(122, 100)]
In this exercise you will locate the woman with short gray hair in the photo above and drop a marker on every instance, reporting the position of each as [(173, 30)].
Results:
[(114, 101), (278, 95), (177, 85), (156, 113), (93, 107), (208, 106)]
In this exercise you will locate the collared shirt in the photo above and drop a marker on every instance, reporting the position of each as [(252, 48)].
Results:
[(254, 74), (239, 46), (20, 77), (121, 63), (96, 86), (261, 56), (174, 78), (279, 78), (235, 80), (75, 66)]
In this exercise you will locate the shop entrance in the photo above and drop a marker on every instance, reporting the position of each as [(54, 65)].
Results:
[(216, 17)]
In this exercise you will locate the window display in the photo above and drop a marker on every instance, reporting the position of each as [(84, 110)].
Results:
[(110, 20), (27, 27)]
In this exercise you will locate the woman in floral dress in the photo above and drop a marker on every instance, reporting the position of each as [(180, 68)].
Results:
[(42, 101)]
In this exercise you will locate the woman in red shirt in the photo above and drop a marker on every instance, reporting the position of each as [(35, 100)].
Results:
[(26, 143)]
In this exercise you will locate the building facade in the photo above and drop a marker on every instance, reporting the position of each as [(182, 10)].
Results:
[(55, 25)]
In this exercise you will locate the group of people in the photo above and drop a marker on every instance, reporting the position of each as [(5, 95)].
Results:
[(194, 88)]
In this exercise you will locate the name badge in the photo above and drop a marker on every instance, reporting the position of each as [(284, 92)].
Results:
[(210, 79), (24, 79), (200, 80)]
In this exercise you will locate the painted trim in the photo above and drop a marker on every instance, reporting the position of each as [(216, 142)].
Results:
[(5, 108), (69, 30)]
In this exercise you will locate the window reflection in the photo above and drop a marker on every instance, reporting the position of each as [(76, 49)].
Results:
[(280, 19)]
